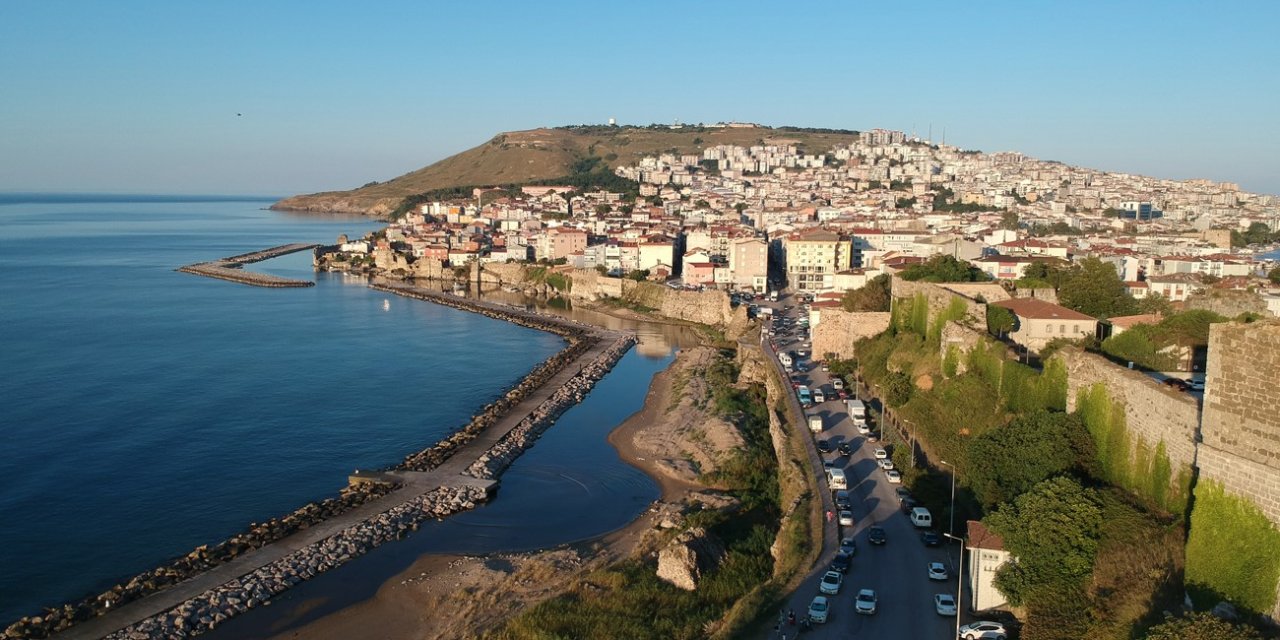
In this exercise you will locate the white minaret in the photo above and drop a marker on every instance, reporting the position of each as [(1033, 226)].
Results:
[(612, 122)]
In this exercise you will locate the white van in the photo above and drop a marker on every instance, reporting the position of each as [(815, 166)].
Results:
[(921, 518), (836, 480), (815, 424), (857, 410), (818, 396)]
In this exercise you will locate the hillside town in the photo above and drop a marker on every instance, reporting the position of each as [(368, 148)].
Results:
[(831, 220)]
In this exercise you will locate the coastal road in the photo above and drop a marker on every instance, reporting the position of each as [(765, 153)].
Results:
[(897, 570)]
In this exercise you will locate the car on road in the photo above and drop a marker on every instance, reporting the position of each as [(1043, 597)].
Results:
[(1177, 383), (930, 539), (824, 446), (846, 518), (875, 535), (937, 571), (1195, 385), (837, 382), (842, 562), (818, 609), (846, 449), (849, 546), (893, 476), (843, 500), (983, 629), (944, 604), (865, 602), (831, 582), (885, 463), (881, 454)]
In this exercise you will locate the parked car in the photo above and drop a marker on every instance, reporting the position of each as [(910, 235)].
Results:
[(885, 463), (824, 446), (930, 539), (846, 518), (849, 546), (818, 609), (937, 571), (842, 562), (864, 429), (902, 493), (983, 629), (875, 535), (865, 602), (881, 454), (831, 582), (1195, 385), (846, 449), (1176, 383), (893, 476), (843, 500), (945, 604)]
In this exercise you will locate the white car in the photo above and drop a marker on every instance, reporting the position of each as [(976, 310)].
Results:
[(831, 582), (885, 463), (893, 476), (864, 429), (865, 602), (983, 630), (818, 609), (937, 571), (846, 518), (881, 454), (944, 604)]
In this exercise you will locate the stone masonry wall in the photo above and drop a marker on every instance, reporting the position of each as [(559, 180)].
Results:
[(939, 297), (838, 329), (1153, 412), (963, 338), (1241, 429)]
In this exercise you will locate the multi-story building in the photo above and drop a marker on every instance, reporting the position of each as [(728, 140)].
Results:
[(813, 259), (749, 262)]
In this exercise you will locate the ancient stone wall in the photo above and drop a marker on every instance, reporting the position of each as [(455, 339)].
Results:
[(1241, 428), (963, 339), (940, 297), (1154, 413), (1048, 294), (838, 329), (989, 291), (1228, 303)]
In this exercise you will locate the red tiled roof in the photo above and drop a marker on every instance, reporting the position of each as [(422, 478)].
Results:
[(980, 537), (1035, 309)]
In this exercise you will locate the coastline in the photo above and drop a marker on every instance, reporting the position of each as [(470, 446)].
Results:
[(155, 590), (424, 600)]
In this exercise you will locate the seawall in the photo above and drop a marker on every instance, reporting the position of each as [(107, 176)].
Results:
[(204, 589), (230, 268)]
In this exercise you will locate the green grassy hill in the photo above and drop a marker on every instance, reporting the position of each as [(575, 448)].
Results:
[(542, 154)]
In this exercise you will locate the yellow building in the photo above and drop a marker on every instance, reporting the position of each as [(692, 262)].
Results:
[(814, 258)]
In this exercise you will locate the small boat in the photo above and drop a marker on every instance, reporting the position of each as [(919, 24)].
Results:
[(386, 305)]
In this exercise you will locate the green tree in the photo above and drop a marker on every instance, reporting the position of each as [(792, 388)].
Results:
[(1009, 220), (1000, 320), (898, 388), (943, 268), (702, 204), (1201, 626), (873, 296), (656, 201), (1094, 288), (1007, 461), (1155, 303), (1274, 275), (1257, 233), (1047, 271), (1053, 531), (626, 209), (740, 207), (602, 209)]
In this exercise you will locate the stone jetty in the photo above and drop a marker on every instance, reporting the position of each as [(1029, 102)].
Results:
[(196, 592), (230, 268)]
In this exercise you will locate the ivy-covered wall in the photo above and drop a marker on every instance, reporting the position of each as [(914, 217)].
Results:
[(1233, 551)]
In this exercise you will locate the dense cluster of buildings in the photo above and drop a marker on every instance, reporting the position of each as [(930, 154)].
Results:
[(830, 219)]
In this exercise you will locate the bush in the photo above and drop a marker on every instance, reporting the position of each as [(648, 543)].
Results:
[(1233, 551)]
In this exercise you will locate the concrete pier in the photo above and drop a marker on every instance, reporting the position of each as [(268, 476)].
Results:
[(230, 268)]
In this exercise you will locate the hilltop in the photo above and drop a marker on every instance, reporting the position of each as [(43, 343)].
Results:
[(520, 157)]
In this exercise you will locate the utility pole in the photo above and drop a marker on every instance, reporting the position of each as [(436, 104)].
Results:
[(959, 581), (951, 523)]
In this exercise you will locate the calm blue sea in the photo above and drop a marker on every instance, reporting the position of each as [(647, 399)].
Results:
[(149, 411)]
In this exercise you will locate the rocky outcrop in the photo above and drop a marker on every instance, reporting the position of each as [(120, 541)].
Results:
[(684, 561), (340, 202), (213, 607)]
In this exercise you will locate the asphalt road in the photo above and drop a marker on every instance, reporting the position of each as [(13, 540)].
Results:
[(897, 570)]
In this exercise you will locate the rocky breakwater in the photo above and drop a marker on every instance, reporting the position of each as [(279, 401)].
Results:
[(230, 268), (214, 606), (523, 436), (202, 559)]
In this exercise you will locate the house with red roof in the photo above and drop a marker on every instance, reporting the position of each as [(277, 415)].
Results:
[(1037, 322)]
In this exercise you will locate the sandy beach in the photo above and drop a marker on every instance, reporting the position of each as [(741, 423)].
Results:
[(452, 596)]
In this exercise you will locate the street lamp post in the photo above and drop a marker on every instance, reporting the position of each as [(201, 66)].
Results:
[(959, 581), (951, 523)]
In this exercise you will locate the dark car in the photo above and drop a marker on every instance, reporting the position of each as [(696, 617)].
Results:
[(1180, 385), (846, 449), (930, 539), (824, 446), (875, 535), (908, 503), (841, 562), (842, 500)]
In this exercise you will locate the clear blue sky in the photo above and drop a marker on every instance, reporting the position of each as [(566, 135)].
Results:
[(143, 96)]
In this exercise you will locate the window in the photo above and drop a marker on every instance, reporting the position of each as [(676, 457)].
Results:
[(1062, 328)]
